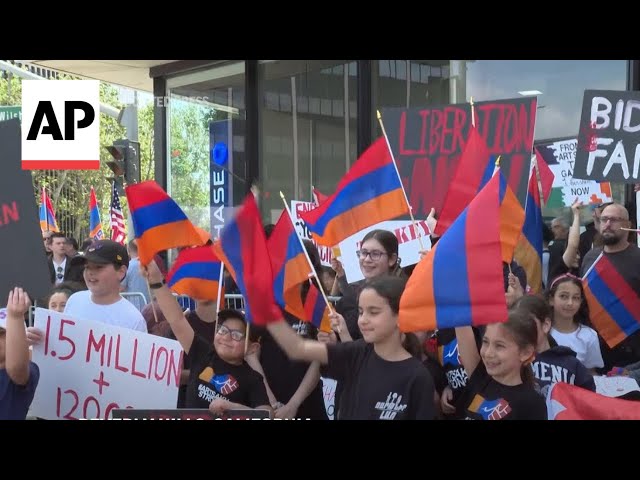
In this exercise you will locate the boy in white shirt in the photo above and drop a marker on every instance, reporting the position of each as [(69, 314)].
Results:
[(106, 264)]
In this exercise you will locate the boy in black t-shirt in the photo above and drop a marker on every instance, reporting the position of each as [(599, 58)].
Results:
[(220, 379)]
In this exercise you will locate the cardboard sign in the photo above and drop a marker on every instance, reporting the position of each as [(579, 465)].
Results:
[(25, 260), (560, 156), (89, 368), (408, 245), (297, 208), (427, 143), (609, 140)]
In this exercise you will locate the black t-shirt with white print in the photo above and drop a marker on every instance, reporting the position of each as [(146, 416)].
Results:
[(559, 364), (211, 377), (486, 399), (377, 389), (449, 359)]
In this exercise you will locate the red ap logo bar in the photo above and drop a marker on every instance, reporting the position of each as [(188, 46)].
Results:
[(60, 124)]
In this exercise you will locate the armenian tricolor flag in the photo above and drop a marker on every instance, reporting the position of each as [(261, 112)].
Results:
[(159, 223), (289, 266), (475, 168), (316, 309), (369, 193), (196, 273), (529, 248), (614, 308), (460, 281), (242, 247), (95, 225), (546, 176), (47, 215)]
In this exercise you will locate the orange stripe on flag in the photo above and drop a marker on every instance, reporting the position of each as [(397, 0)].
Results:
[(386, 207), (156, 239), (511, 221), (417, 304)]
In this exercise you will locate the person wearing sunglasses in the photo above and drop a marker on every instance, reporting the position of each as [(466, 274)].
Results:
[(220, 379)]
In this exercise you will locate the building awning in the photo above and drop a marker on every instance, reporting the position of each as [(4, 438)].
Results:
[(127, 73)]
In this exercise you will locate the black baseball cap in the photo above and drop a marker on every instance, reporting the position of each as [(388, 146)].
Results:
[(104, 252)]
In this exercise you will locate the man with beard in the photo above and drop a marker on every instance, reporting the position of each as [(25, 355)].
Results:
[(625, 257)]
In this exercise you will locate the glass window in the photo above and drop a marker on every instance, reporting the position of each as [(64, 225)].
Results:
[(311, 141), (206, 143), (559, 85)]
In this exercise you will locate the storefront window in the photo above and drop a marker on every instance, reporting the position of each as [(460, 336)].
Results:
[(308, 112), (207, 143)]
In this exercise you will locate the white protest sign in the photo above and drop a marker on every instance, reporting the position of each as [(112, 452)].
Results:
[(88, 368), (615, 386), (329, 395), (587, 191), (297, 208), (408, 245)]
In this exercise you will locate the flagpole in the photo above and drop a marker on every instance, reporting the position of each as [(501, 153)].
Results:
[(473, 112), (413, 220), (313, 269), (44, 207), (220, 280)]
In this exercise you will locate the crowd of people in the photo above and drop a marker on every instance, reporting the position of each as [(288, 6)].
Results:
[(500, 371)]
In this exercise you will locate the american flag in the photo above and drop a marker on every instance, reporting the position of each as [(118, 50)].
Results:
[(118, 228)]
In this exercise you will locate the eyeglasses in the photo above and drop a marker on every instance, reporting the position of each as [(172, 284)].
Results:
[(375, 255), (236, 335), (611, 219)]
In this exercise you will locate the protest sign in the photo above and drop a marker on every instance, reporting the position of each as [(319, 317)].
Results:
[(89, 368)]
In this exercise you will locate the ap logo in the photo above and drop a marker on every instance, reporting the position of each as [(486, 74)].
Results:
[(60, 125)]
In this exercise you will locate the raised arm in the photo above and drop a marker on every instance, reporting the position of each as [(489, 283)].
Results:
[(17, 349), (296, 347), (467, 349), (573, 242), (169, 305)]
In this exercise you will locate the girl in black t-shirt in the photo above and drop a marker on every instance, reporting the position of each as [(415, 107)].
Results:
[(220, 379), (381, 379), (501, 384)]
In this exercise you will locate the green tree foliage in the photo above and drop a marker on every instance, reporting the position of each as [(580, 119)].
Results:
[(189, 131)]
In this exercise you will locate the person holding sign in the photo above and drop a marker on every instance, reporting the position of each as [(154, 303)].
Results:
[(18, 375), (220, 379), (378, 256)]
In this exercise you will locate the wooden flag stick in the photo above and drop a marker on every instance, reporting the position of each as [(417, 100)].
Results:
[(473, 112), (246, 338), (220, 281), (153, 307), (413, 220), (637, 230)]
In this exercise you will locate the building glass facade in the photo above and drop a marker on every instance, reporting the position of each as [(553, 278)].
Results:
[(306, 120)]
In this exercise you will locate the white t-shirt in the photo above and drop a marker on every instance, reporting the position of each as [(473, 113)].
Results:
[(121, 314), (583, 341)]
